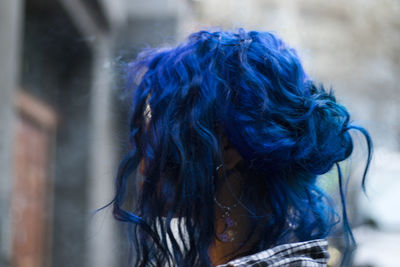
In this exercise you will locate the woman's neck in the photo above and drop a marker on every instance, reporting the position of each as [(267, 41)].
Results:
[(231, 220)]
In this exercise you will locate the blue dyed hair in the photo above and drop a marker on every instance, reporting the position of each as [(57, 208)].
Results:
[(250, 87)]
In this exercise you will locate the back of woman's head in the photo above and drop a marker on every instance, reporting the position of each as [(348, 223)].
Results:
[(251, 88)]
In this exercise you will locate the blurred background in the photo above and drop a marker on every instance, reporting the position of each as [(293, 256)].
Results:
[(63, 123)]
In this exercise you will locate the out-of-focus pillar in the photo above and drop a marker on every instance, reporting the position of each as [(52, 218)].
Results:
[(102, 239), (10, 21)]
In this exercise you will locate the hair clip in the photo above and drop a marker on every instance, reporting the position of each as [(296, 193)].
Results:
[(246, 41)]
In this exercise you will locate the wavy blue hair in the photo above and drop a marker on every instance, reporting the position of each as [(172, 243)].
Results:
[(250, 87)]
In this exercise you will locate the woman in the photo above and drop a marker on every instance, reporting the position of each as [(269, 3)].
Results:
[(229, 135)]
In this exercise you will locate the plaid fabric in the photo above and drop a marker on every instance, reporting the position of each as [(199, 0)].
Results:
[(312, 253)]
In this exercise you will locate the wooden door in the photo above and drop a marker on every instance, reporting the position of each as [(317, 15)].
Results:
[(32, 186)]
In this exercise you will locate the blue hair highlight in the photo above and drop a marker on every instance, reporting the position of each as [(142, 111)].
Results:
[(288, 131)]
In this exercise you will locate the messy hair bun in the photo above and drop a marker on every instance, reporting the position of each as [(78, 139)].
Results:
[(328, 135), (276, 116), (287, 129)]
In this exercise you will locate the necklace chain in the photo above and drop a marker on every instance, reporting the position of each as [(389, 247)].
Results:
[(222, 206), (228, 233)]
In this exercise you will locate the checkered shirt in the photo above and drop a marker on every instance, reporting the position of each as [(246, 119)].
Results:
[(312, 253)]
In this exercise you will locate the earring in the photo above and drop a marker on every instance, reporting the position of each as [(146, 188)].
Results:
[(219, 167)]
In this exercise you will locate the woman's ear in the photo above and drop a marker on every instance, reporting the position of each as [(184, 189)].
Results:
[(229, 153)]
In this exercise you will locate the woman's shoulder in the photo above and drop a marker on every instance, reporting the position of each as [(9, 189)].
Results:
[(307, 254)]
